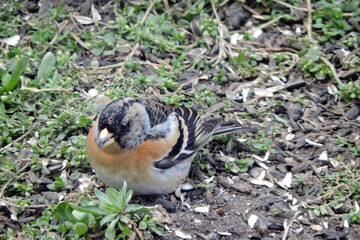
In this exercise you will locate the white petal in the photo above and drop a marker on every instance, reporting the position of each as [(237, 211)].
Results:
[(203, 209), (235, 38), (13, 41), (182, 235), (252, 220), (313, 143), (93, 92), (262, 182), (323, 156)]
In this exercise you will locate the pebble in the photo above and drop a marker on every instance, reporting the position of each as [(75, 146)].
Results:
[(353, 112), (242, 187)]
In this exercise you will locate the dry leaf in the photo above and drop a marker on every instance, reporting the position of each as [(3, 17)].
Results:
[(182, 235), (84, 20), (95, 14), (13, 41), (203, 209)]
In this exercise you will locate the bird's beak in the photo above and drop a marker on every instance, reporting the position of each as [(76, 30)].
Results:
[(105, 139)]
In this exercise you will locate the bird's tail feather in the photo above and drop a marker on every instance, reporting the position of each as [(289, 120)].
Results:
[(232, 127)]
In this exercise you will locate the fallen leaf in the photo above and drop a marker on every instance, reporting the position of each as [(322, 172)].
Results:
[(13, 41), (182, 235)]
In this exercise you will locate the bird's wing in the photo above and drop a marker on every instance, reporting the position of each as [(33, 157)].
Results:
[(158, 111), (193, 133)]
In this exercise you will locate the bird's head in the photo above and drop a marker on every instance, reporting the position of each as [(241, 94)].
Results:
[(124, 122)]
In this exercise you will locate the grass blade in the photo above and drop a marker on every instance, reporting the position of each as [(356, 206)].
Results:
[(18, 70)]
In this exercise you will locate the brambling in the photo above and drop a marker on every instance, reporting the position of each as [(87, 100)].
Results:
[(149, 144)]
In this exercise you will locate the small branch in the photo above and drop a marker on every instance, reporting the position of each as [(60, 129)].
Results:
[(348, 14), (148, 11), (348, 57), (112, 66), (12, 177), (166, 4), (83, 44), (332, 69), (291, 6), (166, 65), (221, 44), (16, 140), (324, 196), (289, 225), (266, 49), (58, 31), (20, 206), (309, 24), (47, 89), (265, 25), (251, 84), (247, 8)]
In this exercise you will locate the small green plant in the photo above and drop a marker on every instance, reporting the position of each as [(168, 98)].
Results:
[(59, 184), (220, 78), (329, 18), (354, 147), (282, 57), (342, 142), (239, 165), (244, 164), (245, 62), (24, 188), (204, 164), (337, 188), (262, 146), (300, 180), (113, 212), (319, 210), (353, 216), (310, 63), (350, 91)]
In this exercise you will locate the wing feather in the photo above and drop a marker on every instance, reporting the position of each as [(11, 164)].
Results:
[(158, 112), (194, 131), (194, 134)]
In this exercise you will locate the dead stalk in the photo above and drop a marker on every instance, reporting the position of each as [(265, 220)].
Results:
[(309, 24), (291, 6), (16, 140), (221, 44), (332, 69), (265, 25), (289, 225)]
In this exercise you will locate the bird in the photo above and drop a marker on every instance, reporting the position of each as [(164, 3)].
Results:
[(149, 144)]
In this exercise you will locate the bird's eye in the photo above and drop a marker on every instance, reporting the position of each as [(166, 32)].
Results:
[(124, 125)]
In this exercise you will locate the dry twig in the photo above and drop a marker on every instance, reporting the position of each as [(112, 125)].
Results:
[(291, 6), (309, 24), (78, 40), (221, 35), (16, 140), (166, 4), (65, 90), (289, 225), (265, 25), (332, 69)]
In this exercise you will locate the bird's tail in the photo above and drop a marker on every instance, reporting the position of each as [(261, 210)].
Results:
[(232, 127)]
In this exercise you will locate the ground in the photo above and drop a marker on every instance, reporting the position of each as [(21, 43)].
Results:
[(261, 63)]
